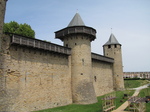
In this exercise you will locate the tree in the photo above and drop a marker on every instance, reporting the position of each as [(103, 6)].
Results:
[(20, 29)]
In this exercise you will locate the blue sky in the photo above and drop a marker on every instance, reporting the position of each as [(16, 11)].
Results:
[(129, 20)]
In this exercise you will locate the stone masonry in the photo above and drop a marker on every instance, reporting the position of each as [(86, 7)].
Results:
[(2, 15), (34, 79)]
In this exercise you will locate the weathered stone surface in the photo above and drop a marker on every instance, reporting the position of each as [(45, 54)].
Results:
[(2, 15), (114, 51), (32, 79), (102, 76), (81, 70)]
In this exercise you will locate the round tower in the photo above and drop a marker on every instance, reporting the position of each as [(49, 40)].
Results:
[(112, 48), (78, 37), (2, 15)]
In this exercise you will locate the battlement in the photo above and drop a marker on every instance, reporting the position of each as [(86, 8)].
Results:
[(102, 58), (39, 44), (43, 45), (76, 30)]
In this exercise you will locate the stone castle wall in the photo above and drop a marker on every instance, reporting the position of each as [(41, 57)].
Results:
[(2, 15), (102, 77), (33, 79)]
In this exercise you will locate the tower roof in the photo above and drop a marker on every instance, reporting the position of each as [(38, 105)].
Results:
[(112, 40), (76, 26), (76, 21)]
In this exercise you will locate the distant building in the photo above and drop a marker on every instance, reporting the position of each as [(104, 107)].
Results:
[(145, 75)]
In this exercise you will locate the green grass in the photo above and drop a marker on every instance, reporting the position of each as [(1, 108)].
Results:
[(96, 107), (120, 97), (135, 83), (77, 108)]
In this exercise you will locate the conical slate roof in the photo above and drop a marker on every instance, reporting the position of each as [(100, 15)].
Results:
[(76, 21), (112, 40)]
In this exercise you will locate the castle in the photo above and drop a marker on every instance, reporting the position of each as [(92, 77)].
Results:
[(36, 75)]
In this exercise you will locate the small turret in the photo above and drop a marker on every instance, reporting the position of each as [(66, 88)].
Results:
[(78, 37), (112, 48)]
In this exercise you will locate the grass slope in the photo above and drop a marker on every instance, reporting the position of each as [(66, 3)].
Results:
[(134, 83), (76, 108), (120, 97)]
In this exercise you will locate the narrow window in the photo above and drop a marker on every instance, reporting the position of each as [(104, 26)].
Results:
[(109, 46), (95, 78), (82, 61), (66, 45), (115, 46), (75, 43)]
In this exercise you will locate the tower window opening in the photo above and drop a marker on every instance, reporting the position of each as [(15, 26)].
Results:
[(82, 61), (75, 44), (115, 45), (109, 46), (66, 45), (95, 78)]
